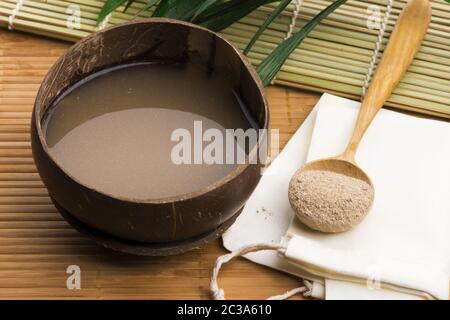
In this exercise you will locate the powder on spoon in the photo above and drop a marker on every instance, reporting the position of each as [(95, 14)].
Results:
[(329, 201)]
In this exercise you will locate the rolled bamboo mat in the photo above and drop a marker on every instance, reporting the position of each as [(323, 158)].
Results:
[(37, 246), (334, 58)]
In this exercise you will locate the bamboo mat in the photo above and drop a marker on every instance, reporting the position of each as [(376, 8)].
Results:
[(334, 58), (36, 245)]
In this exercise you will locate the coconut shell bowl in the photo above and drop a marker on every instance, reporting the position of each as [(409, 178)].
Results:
[(166, 226)]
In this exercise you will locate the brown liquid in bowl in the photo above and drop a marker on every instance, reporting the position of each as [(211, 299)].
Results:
[(112, 131)]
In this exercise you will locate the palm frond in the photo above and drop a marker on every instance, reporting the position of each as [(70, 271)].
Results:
[(205, 5), (178, 9), (281, 6), (148, 5), (223, 14), (269, 68)]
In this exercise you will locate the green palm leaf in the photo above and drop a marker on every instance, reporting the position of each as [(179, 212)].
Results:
[(269, 68), (162, 8), (178, 9), (223, 14), (283, 4), (148, 5), (205, 5)]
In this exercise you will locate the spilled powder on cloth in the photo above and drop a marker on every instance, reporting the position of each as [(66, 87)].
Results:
[(329, 201)]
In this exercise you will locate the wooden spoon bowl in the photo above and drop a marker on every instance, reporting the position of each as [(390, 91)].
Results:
[(338, 165), (336, 214)]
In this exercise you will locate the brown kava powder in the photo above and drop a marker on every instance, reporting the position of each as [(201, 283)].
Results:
[(329, 201)]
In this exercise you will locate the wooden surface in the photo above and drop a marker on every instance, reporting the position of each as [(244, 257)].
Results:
[(37, 246)]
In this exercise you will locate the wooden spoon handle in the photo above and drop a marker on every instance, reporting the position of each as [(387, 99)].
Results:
[(405, 40)]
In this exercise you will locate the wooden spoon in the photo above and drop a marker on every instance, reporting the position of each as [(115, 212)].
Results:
[(405, 40)]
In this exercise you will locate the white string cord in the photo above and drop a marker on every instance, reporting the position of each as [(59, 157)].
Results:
[(298, 6), (14, 12), (219, 294), (373, 61)]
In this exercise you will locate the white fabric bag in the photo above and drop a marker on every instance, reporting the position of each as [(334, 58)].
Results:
[(401, 250)]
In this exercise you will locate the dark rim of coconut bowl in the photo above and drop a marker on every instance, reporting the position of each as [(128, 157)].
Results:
[(40, 113)]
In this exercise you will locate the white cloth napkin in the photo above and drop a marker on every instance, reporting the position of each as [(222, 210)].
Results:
[(401, 250)]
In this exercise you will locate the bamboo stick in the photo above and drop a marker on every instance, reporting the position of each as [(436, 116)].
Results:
[(23, 192), (10, 184), (14, 137), (19, 176)]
